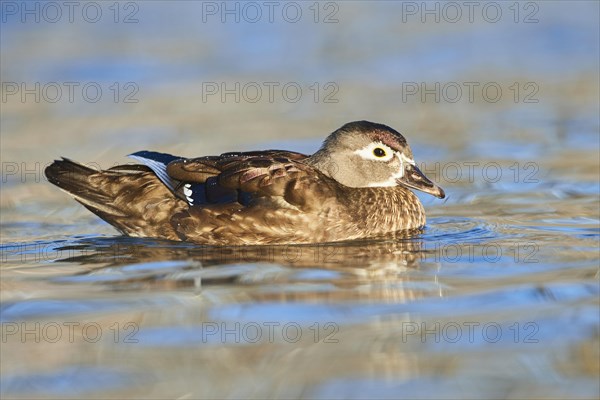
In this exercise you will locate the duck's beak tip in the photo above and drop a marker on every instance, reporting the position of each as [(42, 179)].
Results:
[(440, 193)]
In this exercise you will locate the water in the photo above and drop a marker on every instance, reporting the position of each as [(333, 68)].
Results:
[(497, 297)]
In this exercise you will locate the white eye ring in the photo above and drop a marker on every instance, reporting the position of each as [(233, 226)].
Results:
[(368, 152)]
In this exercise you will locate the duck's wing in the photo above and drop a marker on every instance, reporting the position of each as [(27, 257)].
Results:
[(199, 169), (157, 162), (244, 177)]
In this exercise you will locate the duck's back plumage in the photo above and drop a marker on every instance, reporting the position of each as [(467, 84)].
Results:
[(245, 198)]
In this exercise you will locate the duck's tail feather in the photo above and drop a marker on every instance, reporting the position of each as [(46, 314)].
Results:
[(129, 197), (75, 179)]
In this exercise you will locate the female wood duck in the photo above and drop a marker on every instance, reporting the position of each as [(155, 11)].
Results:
[(357, 185)]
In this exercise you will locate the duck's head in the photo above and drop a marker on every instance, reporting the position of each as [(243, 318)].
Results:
[(367, 154)]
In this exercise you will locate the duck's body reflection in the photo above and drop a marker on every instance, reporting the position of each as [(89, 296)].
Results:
[(286, 272)]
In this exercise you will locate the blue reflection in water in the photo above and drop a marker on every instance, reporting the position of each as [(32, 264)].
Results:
[(70, 381)]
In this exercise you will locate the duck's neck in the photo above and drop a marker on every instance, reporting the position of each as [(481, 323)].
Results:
[(322, 161)]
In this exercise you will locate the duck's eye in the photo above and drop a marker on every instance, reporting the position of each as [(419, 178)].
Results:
[(378, 152)]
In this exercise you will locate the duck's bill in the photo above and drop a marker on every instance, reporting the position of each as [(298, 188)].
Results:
[(415, 179)]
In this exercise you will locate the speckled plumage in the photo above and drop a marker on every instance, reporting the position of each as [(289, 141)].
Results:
[(347, 190)]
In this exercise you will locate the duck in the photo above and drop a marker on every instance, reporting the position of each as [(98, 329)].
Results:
[(358, 185)]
